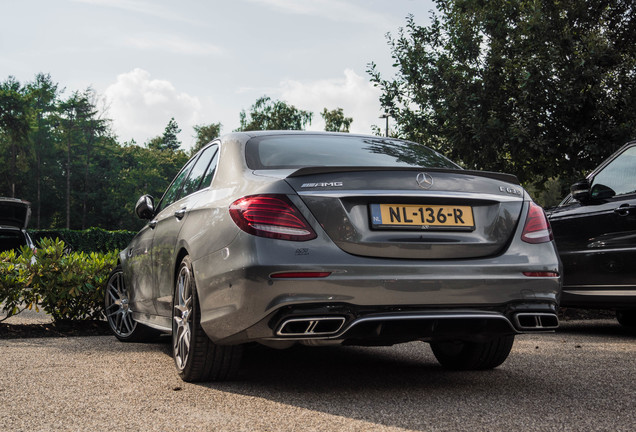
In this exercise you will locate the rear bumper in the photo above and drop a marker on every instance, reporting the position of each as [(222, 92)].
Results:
[(367, 300), (352, 325)]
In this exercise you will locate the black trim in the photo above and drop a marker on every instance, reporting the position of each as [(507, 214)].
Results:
[(509, 178)]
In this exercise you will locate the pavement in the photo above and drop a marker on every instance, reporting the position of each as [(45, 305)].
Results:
[(581, 378)]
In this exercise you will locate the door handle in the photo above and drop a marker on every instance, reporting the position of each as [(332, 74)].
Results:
[(153, 223), (179, 214), (623, 210)]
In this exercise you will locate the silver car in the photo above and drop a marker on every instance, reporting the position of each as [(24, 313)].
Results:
[(282, 238)]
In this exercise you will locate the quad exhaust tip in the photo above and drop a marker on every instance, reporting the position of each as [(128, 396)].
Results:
[(315, 326), (536, 321)]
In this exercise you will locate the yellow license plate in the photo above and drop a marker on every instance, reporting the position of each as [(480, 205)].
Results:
[(422, 216)]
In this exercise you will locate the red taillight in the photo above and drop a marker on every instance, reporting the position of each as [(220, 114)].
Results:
[(272, 216), (537, 228), (550, 274)]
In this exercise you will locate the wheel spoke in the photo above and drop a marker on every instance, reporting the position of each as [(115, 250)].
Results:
[(182, 317), (116, 306)]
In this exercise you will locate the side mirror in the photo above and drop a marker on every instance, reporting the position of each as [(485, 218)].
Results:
[(602, 192), (581, 191), (145, 207)]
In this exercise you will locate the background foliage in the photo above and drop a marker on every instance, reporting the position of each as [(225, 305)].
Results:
[(87, 241), (60, 154), (67, 286), (539, 88)]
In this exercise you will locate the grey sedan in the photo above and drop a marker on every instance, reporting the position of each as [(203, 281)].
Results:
[(281, 238)]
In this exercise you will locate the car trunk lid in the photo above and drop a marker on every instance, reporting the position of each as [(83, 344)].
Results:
[(14, 212), (412, 213)]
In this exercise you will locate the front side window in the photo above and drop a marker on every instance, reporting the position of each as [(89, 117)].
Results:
[(619, 175), (173, 190)]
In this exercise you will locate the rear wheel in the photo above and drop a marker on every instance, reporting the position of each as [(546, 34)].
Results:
[(118, 313), (459, 355), (626, 318), (197, 358)]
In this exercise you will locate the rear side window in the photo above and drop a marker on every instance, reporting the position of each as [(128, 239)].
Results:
[(209, 174), (297, 151), (198, 172)]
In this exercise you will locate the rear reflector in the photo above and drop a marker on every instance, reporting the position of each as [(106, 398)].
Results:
[(295, 275), (537, 228), (272, 216), (541, 274)]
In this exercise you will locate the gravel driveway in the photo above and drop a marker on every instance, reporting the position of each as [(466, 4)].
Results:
[(581, 378)]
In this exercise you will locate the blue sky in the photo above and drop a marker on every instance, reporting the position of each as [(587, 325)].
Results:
[(204, 61)]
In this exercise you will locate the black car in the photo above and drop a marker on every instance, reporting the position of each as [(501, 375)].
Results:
[(595, 232), (14, 217)]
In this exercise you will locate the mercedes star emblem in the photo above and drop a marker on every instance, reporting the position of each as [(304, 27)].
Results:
[(424, 180)]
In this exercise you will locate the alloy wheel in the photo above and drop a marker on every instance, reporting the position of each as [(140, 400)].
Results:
[(116, 306), (182, 318)]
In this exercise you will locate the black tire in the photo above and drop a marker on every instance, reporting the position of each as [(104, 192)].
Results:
[(627, 318), (458, 355), (118, 313), (197, 358)]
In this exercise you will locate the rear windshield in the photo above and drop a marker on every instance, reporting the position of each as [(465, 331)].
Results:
[(298, 151)]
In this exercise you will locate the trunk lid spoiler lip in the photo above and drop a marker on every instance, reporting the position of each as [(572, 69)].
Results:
[(508, 178)]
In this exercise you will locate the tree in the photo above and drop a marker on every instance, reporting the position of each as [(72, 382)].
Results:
[(43, 94), (204, 135), (82, 127), (534, 87), (14, 127), (335, 121), (266, 114), (169, 139)]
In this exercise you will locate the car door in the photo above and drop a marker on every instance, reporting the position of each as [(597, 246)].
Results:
[(146, 255), (597, 238), (138, 267), (170, 221)]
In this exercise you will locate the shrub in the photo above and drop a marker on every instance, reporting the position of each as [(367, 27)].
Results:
[(68, 286), (16, 276)]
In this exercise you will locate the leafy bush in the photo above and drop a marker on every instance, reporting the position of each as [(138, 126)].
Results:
[(68, 286), (90, 240), (16, 277)]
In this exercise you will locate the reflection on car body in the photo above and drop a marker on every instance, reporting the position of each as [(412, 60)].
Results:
[(272, 237), (595, 232)]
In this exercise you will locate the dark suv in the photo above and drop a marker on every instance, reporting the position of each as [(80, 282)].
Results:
[(595, 232), (14, 218)]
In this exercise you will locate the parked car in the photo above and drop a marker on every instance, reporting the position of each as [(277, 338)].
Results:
[(320, 238), (14, 218), (595, 232)]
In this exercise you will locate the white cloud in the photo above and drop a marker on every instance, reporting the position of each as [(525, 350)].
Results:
[(141, 107), (357, 97)]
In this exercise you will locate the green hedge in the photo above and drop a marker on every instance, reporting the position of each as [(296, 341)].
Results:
[(68, 286), (90, 240)]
